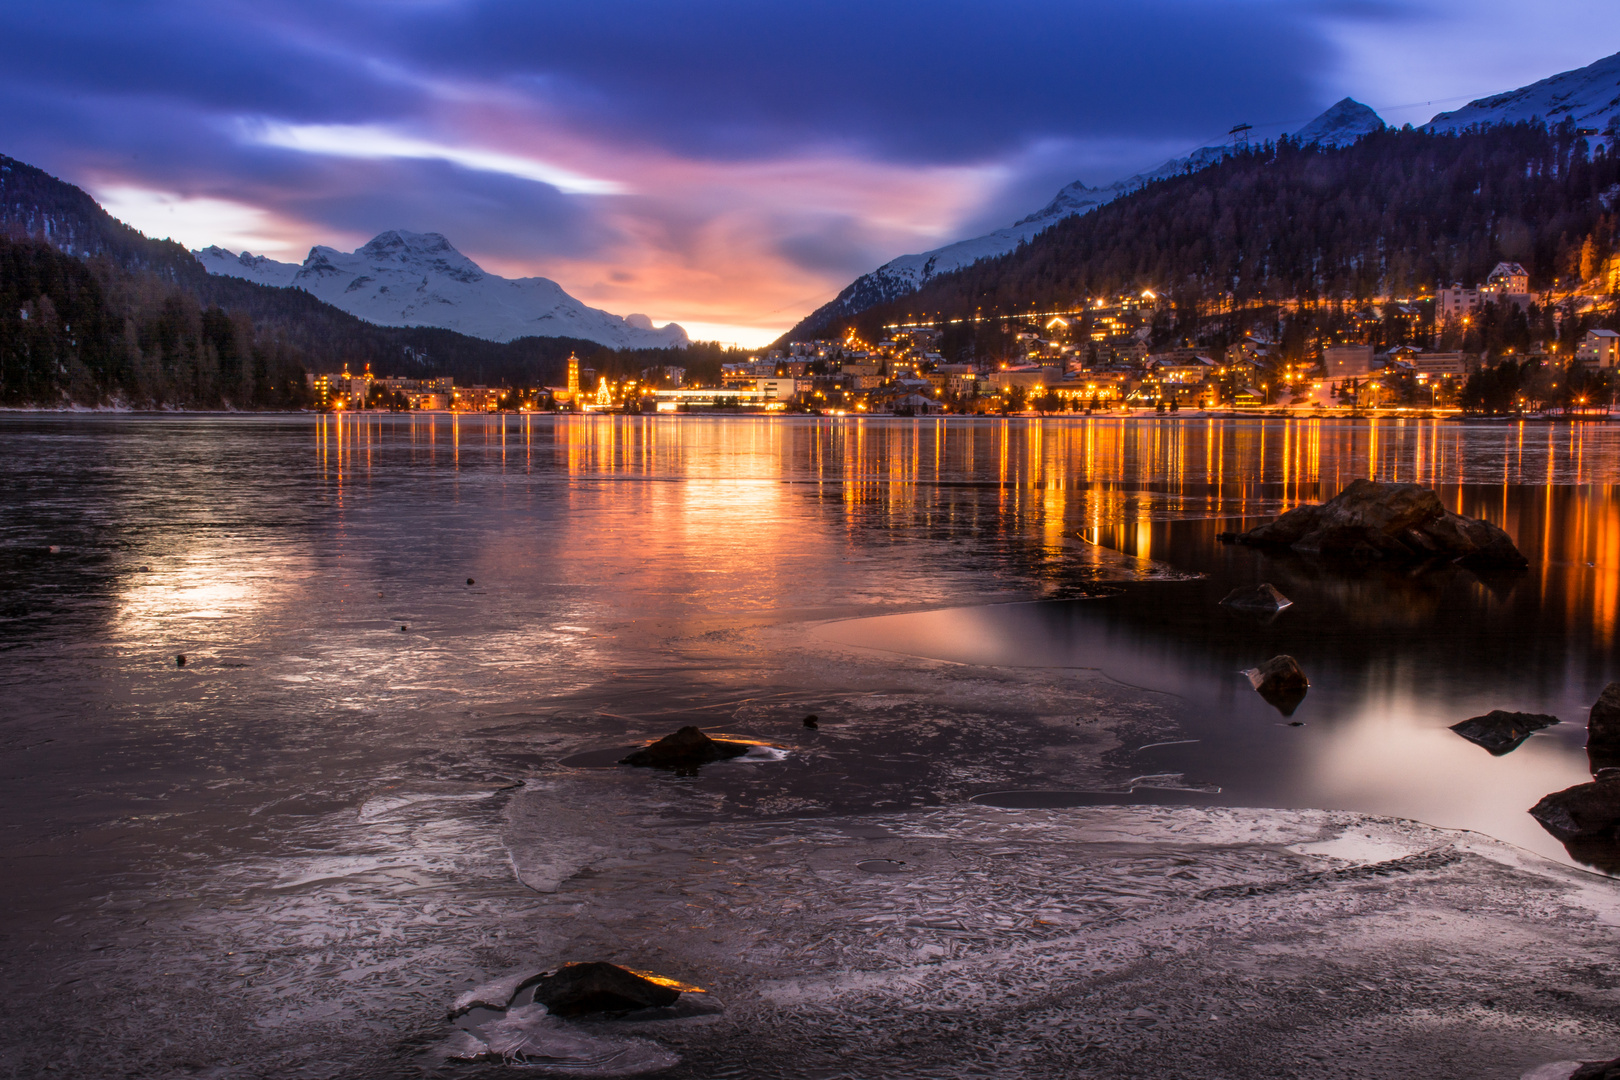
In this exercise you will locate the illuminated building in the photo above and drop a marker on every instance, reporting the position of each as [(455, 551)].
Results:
[(1599, 349), (710, 398)]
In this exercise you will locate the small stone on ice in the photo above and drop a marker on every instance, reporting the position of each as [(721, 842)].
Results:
[(685, 750), (1501, 732), (1262, 597), (1281, 681)]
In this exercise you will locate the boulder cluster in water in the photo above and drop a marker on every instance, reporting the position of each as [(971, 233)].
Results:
[(1372, 521), (1586, 817)]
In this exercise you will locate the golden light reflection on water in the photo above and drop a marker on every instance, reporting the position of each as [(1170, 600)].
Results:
[(717, 517), (1102, 480)]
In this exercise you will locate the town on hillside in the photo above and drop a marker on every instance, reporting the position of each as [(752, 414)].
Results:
[(1493, 347)]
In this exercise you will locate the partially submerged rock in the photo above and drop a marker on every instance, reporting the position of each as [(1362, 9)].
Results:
[(1281, 681), (1501, 732), (1603, 728), (1583, 812), (1261, 597), (685, 751), (1370, 520), (596, 986)]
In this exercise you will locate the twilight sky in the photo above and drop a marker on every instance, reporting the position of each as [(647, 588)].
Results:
[(725, 164)]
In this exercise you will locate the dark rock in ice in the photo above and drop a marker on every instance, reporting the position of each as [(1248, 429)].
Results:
[(1501, 732), (1262, 597), (1585, 811), (469, 581), (403, 628), (1597, 1070), (811, 721), (180, 660), (685, 750), (1603, 728), (1282, 682), (1601, 852), (593, 987), (1279, 673), (1370, 521)]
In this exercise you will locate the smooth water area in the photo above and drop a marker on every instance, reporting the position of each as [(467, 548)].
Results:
[(371, 603)]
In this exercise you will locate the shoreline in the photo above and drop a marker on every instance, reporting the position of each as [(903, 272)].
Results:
[(1134, 414)]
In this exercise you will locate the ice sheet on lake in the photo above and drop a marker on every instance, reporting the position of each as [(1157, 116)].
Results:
[(527, 1036), (1089, 937)]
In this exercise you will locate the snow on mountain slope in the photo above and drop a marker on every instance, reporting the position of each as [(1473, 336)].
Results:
[(1590, 96), (1340, 125), (419, 279)]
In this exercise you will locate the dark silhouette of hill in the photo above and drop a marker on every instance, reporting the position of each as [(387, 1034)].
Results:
[(92, 310), (1397, 211)]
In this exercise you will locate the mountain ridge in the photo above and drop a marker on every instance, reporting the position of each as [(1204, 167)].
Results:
[(1590, 96), (402, 278), (1390, 215), (1342, 122)]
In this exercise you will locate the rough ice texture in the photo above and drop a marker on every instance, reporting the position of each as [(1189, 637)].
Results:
[(419, 279), (1054, 943), (528, 1036)]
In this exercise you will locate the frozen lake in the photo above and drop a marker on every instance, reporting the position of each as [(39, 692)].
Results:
[(390, 623)]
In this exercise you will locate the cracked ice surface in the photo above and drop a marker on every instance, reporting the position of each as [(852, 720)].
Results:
[(1139, 941)]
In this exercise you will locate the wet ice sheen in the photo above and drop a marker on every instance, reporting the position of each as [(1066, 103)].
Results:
[(315, 827)]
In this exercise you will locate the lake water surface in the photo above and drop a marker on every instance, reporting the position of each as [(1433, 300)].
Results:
[(397, 629), (315, 571)]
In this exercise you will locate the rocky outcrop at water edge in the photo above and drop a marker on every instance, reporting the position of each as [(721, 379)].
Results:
[(1373, 521)]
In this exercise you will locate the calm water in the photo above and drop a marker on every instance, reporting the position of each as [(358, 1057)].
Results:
[(626, 570)]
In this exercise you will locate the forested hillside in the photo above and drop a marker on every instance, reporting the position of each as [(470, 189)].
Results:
[(93, 312), (1396, 212)]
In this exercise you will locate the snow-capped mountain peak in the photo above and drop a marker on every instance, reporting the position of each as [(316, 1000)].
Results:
[(1341, 125), (403, 278), (1590, 96)]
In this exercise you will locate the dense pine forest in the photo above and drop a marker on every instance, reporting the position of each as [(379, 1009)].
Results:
[(1395, 213), (93, 313)]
